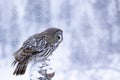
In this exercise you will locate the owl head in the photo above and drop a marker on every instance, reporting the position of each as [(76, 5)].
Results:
[(55, 35)]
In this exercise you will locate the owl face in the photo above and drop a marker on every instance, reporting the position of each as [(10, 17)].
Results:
[(54, 35), (58, 37)]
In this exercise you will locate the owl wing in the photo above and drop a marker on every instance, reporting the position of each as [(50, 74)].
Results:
[(34, 45)]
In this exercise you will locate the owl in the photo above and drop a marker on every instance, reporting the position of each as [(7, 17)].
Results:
[(38, 46)]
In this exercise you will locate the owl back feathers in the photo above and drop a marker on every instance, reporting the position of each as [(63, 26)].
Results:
[(21, 60)]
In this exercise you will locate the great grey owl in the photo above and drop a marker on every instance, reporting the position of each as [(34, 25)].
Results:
[(38, 46)]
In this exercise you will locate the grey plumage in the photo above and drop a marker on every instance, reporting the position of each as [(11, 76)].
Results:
[(38, 46)]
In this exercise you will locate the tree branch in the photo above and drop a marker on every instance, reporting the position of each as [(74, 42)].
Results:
[(41, 70)]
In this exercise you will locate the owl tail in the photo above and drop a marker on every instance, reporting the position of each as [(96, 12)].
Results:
[(20, 68)]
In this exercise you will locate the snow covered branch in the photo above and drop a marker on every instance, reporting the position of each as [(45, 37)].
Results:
[(41, 70)]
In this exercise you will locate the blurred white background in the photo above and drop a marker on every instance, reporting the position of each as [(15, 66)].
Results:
[(91, 46)]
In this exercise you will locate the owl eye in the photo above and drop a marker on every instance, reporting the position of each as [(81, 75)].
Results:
[(59, 38)]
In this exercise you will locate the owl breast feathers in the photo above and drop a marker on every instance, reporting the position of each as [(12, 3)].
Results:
[(38, 46)]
